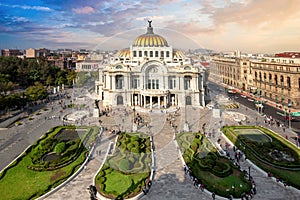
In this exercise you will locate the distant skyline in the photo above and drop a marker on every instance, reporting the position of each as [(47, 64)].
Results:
[(251, 26)]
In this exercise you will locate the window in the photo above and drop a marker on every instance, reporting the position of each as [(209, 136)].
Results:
[(157, 84), (162, 54), (172, 82), (270, 78), (187, 82), (135, 82), (151, 53), (156, 53), (288, 81), (260, 76), (119, 81), (168, 54), (275, 79), (146, 53), (299, 83), (134, 53), (140, 54), (281, 80)]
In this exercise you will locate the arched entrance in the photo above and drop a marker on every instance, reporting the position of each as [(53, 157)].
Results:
[(188, 100), (119, 100)]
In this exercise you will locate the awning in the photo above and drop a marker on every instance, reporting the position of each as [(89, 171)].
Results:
[(296, 114)]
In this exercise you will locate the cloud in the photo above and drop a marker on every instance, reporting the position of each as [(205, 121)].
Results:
[(84, 10), (262, 13), (26, 7)]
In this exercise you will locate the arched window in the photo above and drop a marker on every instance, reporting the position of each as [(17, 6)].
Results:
[(288, 81), (119, 81), (275, 79), (187, 82), (270, 78), (281, 80)]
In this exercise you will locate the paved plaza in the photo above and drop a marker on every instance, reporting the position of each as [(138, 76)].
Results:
[(170, 181)]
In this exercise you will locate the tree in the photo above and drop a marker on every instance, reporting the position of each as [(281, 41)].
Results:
[(36, 92), (49, 80), (59, 148)]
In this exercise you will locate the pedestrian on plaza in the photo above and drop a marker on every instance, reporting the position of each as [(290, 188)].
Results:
[(286, 136), (213, 195)]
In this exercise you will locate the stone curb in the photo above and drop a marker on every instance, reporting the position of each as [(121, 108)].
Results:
[(184, 164), (141, 194), (261, 170), (73, 176)]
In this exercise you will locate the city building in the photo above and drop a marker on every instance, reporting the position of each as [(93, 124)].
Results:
[(151, 74), (275, 78), (11, 52), (36, 53), (88, 66)]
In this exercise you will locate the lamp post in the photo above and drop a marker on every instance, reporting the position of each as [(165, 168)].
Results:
[(249, 172), (133, 106), (290, 123)]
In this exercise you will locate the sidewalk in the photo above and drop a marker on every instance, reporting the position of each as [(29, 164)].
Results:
[(267, 101)]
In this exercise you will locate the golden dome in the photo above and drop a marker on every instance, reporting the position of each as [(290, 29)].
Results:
[(150, 39), (125, 53)]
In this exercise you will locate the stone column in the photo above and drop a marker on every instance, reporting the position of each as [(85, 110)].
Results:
[(150, 102), (165, 101), (158, 102), (173, 101), (135, 100), (144, 101), (113, 81)]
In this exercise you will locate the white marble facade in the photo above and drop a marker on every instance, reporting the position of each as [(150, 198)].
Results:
[(151, 74)]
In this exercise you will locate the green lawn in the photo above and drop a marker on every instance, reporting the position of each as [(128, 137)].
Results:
[(126, 172), (259, 152), (217, 173), (20, 182)]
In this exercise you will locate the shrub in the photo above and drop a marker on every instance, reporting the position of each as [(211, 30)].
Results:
[(124, 165), (59, 148)]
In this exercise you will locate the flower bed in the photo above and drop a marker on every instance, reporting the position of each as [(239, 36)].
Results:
[(217, 173), (20, 181), (274, 155), (127, 171)]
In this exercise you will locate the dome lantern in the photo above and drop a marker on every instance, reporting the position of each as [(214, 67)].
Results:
[(150, 39)]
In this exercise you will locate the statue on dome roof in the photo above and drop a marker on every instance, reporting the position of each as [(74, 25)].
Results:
[(149, 21)]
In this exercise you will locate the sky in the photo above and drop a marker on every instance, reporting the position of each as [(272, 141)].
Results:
[(251, 26)]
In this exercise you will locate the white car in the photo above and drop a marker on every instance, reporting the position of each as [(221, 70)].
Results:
[(210, 106), (244, 96)]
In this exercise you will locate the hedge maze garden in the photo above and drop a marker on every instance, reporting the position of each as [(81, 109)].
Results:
[(46, 164), (269, 151), (217, 173), (125, 173)]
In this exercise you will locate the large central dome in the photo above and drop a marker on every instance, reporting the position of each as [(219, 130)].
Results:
[(150, 39)]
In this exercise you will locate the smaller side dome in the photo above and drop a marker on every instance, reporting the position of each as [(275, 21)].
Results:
[(124, 53)]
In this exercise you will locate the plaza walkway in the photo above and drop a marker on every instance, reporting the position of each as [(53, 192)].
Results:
[(169, 179)]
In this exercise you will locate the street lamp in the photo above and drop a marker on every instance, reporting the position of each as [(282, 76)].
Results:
[(290, 124), (249, 172)]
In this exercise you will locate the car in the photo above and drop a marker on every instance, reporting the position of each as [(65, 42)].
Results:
[(249, 99), (244, 96), (210, 106)]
